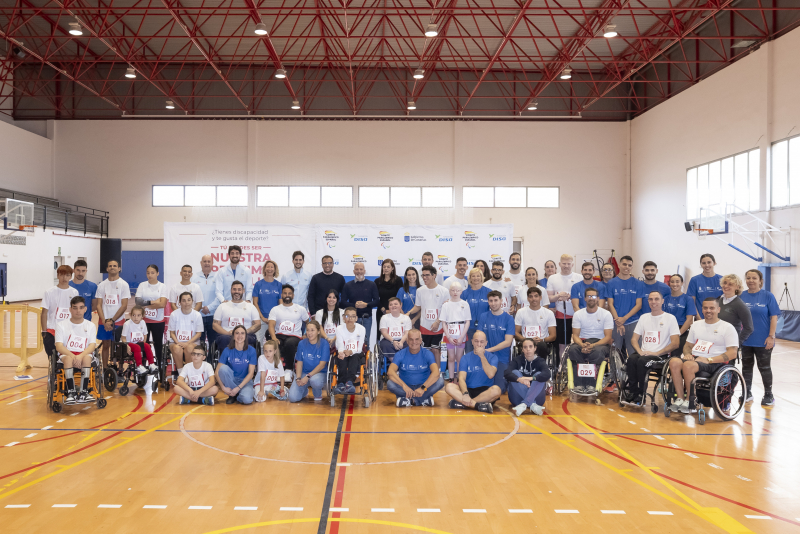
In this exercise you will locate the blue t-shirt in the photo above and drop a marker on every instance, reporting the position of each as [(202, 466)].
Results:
[(407, 299), (311, 355), (579, 290), (701, 287), (238, 361), (661, 287), (543, 282), (478, 301), (681, 307), (414, 369), (763, 306), (625, 293), (496, 328), (269, 295), (472, 365), (87, 290)]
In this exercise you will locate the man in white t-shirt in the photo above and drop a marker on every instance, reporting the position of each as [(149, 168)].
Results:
[(559, 287), (514, 274), (711, 344), (534, 321), (591, 340), (56, 307), (429, 300), (76, 340), (234, 312), (111, 303), (185, 330), (461, 271), (197, 382), (427, 261), (656, 335), (286, 325), (350, 352), (507, 289), (184, 285), (394, 329)]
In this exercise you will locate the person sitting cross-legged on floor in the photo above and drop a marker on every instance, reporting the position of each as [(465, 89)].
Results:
[(476, 387), (527, 377), (414, 373)]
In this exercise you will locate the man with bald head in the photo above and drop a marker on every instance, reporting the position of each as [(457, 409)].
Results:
[(476, 388), (207, 280), (361, 294)]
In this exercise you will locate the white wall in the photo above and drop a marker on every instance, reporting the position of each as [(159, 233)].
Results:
[(25, 161), (750, 104)]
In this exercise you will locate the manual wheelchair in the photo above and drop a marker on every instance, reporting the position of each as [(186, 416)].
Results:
[(365, 382), (57, 382), (723, 391)]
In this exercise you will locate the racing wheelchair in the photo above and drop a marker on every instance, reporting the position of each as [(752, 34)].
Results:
[(723, 391), (57, 382), (365, 382), (611, 370)]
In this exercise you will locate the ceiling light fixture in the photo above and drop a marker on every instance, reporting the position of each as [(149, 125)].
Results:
[(130, 73), (419, 74), (75, 29), (610, 31), (533, 106), (170, 105), (411, 105), (295, 104), (261, 29), (280, 74), (432, 30), (566, 74)]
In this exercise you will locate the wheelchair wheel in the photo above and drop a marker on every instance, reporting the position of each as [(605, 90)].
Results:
[(667, 387), (562, 377), (52, 376), (163, 365), (110, 378), (98, 376), (619, 375), (330, 379), (727, 392)]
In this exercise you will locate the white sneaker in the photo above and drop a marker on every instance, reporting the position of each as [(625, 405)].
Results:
[(520, 408), (538, 410), (141, 370), (153, 368)]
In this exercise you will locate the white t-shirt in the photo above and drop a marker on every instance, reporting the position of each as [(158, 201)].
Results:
[(56, 300), (197, 378), (430, 302), (111, 295), (134, 333), (346, 340), (329, 326), (558, 283), (655, 331), (76, 337), (274, 373), (288, 319), (230, 314), (516, 279), (506, 288), (397, 327), (153, 292), (721, 335), (522, 297), (535, 323), (592, 325), (194, 289), (185, 326), (447, 283), (457, 315)]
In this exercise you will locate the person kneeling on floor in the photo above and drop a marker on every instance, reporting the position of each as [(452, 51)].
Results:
[(476, 387), (414, 373), (527, 377), (236, 368), (197, 382), (351, 352)]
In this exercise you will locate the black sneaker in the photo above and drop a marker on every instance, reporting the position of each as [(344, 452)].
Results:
[(485, 407), (637, 400), (70, 398), (403, 402), (230, 400), (749, 397), (455, 405), (768, 400)]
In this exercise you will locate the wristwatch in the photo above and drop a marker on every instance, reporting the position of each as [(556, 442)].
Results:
[(423, 388)]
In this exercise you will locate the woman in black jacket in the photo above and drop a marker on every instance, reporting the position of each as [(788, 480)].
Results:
[(732, 309), (388, 285), (527, 377)]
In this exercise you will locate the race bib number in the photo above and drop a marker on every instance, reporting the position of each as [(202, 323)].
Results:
[(652, 339), (183, 335), (351, 345), (533, 332), (77, 343), (505, 303), (286, 327), (396, 332), (150, 314), (453, 331), (273, 376), (111, 300), (197, 381), (586, 370), (137, 337), (330, 329), (431, 315), (62, 314), (233, 322), (702, 348)]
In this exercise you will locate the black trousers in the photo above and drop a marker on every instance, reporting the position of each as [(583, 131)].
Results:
[(49, 341), (637, 368), (156, 331), (762, 358), (288, 349), (347, 368)]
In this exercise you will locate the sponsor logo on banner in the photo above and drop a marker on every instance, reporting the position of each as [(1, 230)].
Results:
[(357, 237), (385, 239), (444, 238), (408, 237), (470, 236), (380, 260), (497, 237), (442, 263), (412, 261), (495, 257), (357, 258), (330, 238)]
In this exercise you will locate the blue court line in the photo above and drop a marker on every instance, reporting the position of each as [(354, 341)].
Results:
[(25, 382), (759, 416)]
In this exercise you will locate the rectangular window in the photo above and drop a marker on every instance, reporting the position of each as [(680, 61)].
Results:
[(304, 197), (510, 197), (406, 197), (232, 195), (272, 196), (437, 197), (373, 197), (726, 184), (337, 197), (167, 195), (786, 172), (200, 195), (477, 197), (543, 197)]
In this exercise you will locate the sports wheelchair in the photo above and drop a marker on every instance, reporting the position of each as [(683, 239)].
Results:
[(657, 371), (57, 382), (611, 371), (121, 365), (723, 391), (366, 381)]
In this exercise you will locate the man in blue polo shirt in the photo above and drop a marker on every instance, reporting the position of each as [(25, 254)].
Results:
[(414, 375), (579, 290), (86, 289), (624, 294), (298, 279), (499, 329), (650, 271), (207, 280), (476, 374)]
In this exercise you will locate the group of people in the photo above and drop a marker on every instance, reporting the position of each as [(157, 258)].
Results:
[(301, 321)]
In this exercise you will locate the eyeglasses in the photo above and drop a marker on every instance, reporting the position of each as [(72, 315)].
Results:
[(350, 317), (590, 297), (327, 263)]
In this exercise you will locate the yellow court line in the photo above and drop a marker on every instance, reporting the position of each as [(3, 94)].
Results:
[(330, 520), (124, 441), (712, 515)]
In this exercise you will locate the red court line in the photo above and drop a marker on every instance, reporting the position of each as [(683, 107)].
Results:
[(677, 481), (337, 502), (20, 392), (90, 445)]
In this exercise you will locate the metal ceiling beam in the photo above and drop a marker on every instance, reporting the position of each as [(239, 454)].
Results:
[(267, 40)]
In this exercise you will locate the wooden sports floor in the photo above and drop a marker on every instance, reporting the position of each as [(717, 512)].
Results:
[(146, 464)]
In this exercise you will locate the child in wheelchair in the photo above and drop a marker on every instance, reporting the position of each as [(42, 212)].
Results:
[(134, 335)]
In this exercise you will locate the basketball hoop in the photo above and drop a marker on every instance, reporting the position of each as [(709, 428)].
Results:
[(29, 229), (706, 230)]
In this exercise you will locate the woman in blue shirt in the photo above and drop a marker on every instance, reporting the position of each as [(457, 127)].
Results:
[(549, 269), (236, 368), (311, 364), (705, 284), (682, 306), (758, 347), (408, 293), (266, 294), (477, 296)]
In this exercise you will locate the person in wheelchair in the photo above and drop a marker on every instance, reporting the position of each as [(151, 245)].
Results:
[(394, 329), (76, 341), (711, 344), (351, 352), (476, 387), (656, 335), (527, 377), (592, 327), (185, 330), (236, 311), (134, 335), (414, 374)]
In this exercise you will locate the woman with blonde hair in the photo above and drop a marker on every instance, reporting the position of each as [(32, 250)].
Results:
[(267, 294), (477, 296), (732, 309)]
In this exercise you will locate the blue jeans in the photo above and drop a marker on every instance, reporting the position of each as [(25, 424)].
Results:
[(520, 393), (499, 377), (245, 395), (397, 389), (317, 382), (208, 329), (366, 322)]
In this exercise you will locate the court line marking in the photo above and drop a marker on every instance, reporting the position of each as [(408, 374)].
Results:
[(246, 508), (659, 513), (474, 511), (387, 510), (60, 420), (19, 400), (622, 512), (12, 444), (520, 511), (47, 427), (337, 509), (64, 506), (758, 517), (23, 384), (567, 512), (109, 506), (428, 510), (18, 506), (200, 508), (291, 509), (154, 506), (30, 435), (334, 520)]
